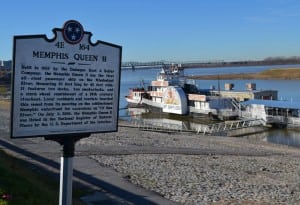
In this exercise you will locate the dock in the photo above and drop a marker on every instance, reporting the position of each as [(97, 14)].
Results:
[(254, 116), (223, 128), (274, 112), (218, 129)]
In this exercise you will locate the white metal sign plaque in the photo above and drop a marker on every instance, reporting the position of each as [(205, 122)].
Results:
[(64, 85)]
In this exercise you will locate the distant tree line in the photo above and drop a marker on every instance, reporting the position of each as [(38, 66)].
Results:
[(280, 60), (5, 68), (283, 60), (266, 61)]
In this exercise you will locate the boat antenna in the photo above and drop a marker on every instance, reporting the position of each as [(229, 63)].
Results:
[(164, 67), (219, 93), (142, 83), (219, 87)]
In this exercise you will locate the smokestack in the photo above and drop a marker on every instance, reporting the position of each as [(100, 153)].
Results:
[(251, 86), (229, 86)]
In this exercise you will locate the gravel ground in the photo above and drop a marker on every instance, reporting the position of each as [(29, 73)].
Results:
[(193, 169)]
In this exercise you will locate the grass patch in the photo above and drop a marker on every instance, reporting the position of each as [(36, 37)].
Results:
[(21, 185), (3, 89), (4, 104), (281, 73)]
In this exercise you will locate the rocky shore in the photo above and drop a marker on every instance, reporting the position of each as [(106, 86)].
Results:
[(194, 169), (188, 168)]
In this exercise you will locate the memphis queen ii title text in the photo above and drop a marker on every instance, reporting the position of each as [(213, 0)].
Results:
[(64, 56)]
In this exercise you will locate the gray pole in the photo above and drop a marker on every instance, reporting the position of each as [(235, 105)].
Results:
[(66, 171), (66, 174), (66, 165)]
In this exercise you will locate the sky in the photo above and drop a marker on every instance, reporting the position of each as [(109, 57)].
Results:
[(171, 30)]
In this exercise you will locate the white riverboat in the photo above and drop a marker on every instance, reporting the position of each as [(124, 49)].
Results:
[(171, 92)]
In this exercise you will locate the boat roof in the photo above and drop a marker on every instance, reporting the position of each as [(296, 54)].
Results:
[(274, 103)]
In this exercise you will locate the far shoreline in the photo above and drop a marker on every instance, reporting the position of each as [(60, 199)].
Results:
[(271, 74)]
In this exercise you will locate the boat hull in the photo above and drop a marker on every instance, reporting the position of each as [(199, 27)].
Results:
[(132, 101)]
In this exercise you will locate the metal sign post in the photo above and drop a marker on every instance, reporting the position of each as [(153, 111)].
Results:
[(66, 173), (66, 166), (64, 89)]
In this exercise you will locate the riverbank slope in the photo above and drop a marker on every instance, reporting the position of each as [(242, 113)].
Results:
[(183, 167)]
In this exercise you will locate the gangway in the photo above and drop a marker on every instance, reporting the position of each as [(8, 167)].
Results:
[(206, 129), (224, 127), (159, 126)]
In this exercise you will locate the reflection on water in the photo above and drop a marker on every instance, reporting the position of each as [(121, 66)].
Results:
[(143, 116), (287, 136), (290, 137)]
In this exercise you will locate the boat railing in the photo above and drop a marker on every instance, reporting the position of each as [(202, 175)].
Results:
[(138, 89), (294, 122), (246, 114), (158, 126), (235, 104), (152, 103), (276, 119), (218, 129)]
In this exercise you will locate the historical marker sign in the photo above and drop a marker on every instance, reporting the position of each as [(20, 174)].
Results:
[(64, 85)]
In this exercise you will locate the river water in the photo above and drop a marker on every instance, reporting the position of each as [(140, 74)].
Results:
[(287, 90)]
